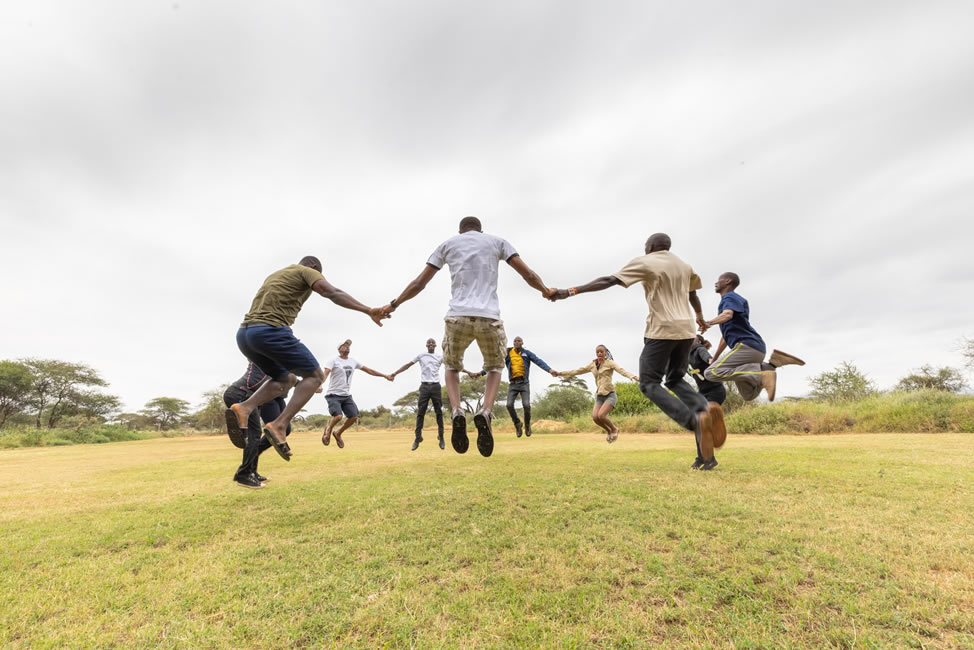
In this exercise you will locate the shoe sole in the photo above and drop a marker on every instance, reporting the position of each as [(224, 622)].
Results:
[(485, 438), (459, 438), (416, 444), (282, 448), (233, 429), (717, 427), (338, 441), (250, 487), (706, 468), (779, 358)]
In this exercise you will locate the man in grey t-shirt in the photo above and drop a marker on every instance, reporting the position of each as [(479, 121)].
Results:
[(473, 257)]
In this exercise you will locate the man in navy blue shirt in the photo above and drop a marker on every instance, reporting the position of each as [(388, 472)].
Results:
[(744, 363)]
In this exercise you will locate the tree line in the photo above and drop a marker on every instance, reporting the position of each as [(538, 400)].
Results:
[(53, 393)]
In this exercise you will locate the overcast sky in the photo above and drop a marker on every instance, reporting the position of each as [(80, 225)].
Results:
[(159, 159)]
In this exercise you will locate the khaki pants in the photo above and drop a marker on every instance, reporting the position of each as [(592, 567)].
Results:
[(461, 331)]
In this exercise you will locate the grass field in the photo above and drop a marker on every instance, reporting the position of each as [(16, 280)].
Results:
[(556, 541)]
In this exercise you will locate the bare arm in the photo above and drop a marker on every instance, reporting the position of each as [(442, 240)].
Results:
[(532, 278), (722, 317), (598, 284), (697, 309), (375, 373), (720, 347), (326, 290), (413, 288), (403, 368)]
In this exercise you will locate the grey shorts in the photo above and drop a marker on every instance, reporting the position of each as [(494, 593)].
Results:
[(341, 404), (610, 399)]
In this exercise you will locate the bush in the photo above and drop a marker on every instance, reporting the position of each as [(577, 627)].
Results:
[(632, 401), (94, 434), (562, 403)]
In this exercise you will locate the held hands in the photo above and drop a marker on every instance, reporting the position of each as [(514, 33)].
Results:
[(471, 374), (378, 314), (554, 373), (557, 294), (391, 377)]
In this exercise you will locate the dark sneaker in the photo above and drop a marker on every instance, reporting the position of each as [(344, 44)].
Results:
[(769, 381), (709, 465), (527, 432), (439, 438), (416, 443), (779, 358), (248, 481), (697, 464), (459, 438), (517, 429), (717, 426), (236, 434), (485, 438), (262, 479), (281, 447)]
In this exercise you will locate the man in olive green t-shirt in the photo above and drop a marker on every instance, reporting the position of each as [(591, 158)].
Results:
[(265, 337), (670, 285)]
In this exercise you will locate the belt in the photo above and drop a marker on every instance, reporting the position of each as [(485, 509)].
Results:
[(254, 324), (430, 383), (518, 380)]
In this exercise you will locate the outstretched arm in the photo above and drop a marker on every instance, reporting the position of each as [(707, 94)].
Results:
[(375, 373), (722, 317), (403, 368), (413, 288), (532, 278), (599, 284), (326, 290)]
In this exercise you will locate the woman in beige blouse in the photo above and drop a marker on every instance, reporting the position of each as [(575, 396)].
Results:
[(605, 395)]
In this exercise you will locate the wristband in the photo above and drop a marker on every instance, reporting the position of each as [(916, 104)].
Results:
[(573, 291)]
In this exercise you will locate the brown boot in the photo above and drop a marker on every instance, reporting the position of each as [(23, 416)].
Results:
[(779, 358), (717, 425), (769, 381), (705, 427)]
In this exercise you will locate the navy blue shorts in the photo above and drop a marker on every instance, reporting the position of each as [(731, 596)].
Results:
[(338, 404), (276, 351)]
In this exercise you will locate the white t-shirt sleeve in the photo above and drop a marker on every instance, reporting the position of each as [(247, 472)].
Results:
[(506, 250), (356, 363), (418, 357), (438, 258)]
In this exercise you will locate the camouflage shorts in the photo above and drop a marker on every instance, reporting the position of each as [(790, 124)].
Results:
[(461, 331)]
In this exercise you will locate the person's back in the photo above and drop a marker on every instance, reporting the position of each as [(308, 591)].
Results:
[(473, 258), (667, 281), (281, 296)]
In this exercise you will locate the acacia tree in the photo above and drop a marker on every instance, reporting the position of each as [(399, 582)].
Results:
[(945, 379), (59, 388), (15, 382), (967, 351), (845, 383), (210, 415), (165, 412)]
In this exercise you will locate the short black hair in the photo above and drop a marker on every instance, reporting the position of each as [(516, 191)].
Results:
[(470, 223), (311, 262), (733, 277), (660, 241)]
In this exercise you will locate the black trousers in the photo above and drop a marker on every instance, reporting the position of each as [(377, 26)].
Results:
[(522, 388), (662, 366), (429, 391), (257, 443)]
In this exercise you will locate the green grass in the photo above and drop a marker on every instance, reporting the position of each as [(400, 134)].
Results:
[(555, 541)]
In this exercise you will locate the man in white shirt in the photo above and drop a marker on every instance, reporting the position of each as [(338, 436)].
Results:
[(429, 390), (473, 257), (338, 374)]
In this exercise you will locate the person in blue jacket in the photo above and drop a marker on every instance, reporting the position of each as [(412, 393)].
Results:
[(518, 361)]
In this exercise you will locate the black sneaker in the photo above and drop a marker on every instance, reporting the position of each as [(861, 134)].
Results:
[(517, 429), (710, 464), (485, 438), (697, 464), (416, 443), (248, 481), (527, 432), (459, 438), (262, 479), (441, 441), (237, 436)]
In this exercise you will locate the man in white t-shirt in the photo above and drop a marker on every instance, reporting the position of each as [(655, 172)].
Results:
[(338, 374), (473, 257), (429, 390)]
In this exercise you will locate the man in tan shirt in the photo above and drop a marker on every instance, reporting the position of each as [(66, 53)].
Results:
[(670, 285)]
